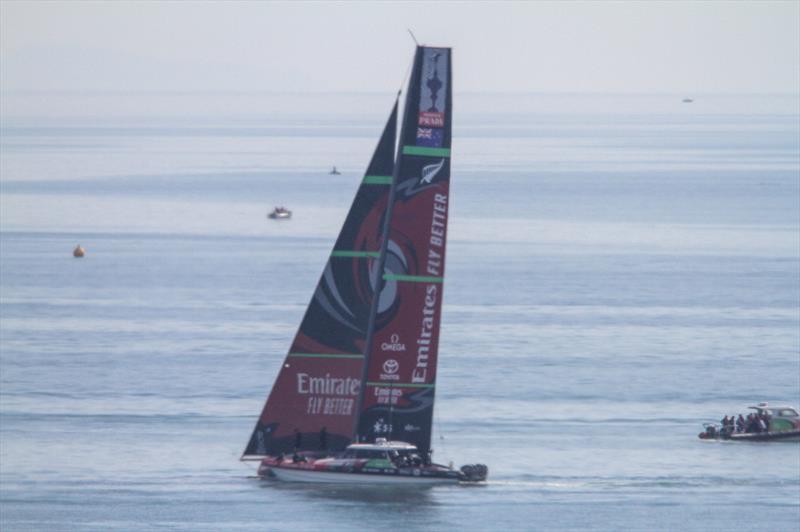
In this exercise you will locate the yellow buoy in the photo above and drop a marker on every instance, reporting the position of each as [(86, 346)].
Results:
[(78, 252)]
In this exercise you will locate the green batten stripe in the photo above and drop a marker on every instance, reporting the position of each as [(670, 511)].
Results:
[(412, 278), (356, 254), (423, 150), (377, 180), (321, 355), (399, 385)]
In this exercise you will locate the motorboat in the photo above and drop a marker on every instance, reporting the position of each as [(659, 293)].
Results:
[(280, 213), (382, 462), (782, 423)]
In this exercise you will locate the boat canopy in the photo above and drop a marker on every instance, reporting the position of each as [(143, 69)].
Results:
[(776, 410), (382, 444)]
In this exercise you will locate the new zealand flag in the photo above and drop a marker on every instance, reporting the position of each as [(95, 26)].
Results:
[(430, 137)]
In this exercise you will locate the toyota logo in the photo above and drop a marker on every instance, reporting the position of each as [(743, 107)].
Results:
[(391, 366)]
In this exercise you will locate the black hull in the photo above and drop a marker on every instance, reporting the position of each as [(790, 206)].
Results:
[(786, 435)]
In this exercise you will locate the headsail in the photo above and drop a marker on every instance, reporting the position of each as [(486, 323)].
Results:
[(397, 399), (319, 383)]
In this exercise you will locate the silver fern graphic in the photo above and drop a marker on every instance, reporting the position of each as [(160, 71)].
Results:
[(430, 171)]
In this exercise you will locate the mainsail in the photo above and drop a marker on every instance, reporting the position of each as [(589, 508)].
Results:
[(400, 377), (314, 400)]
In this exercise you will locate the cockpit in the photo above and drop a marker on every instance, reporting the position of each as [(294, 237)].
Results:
[(399, 453), (366, 453), (776, 411)]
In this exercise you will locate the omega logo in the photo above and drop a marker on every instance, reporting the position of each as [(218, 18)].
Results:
[(394, 344)]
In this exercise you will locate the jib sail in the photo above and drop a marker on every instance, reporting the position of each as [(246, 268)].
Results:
[(313, 403), (400, 377)]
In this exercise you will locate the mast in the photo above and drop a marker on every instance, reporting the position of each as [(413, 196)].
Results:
[(377, 274), (399, 377), (319, 381)]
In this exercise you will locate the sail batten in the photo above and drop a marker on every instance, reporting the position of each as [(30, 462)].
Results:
[(356, 254), (412, 278), (402, 385), (325, 355), (422, 150), (377, 180)]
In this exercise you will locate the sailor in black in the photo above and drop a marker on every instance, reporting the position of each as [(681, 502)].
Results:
[(298, 440), (323, 438)]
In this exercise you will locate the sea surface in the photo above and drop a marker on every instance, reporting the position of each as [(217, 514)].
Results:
[(621, 269)]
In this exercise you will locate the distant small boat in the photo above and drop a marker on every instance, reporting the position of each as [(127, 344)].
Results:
[(78, 252), (280, 213), (334, 171), (687, 100)]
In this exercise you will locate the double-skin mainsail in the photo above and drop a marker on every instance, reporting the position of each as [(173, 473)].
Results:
[(363, 367)]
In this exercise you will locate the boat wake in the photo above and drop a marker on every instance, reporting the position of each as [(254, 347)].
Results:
[(637, 483)]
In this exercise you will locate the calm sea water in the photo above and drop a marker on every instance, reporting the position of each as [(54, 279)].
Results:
[(620, 270)]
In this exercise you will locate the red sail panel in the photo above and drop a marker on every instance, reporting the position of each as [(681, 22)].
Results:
[(398, 396), (313, 404)]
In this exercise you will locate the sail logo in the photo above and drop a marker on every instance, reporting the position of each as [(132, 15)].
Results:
[(390, 369), (419, 374), (427, 179), (387, 395), (327, 385), (433, 81), (430, 171), (393, 344), (391, 366), (382, 427), (431, 119), (429, 137), (323, 392), (438, 227)]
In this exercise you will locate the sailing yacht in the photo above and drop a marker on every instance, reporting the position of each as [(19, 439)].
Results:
[(353, 401)]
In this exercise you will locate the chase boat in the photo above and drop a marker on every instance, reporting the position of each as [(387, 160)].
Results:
[(382, 462), (784, 425)]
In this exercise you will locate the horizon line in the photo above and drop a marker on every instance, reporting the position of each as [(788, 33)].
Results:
[(380, 93)]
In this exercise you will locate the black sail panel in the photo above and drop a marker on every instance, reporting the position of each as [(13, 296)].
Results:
[(320, 380), (398, 395)]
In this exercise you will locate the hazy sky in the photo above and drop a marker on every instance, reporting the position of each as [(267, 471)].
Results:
[(683, 47)]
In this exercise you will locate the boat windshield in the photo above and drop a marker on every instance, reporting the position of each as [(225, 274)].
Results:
[(778, 412), (365, 453)]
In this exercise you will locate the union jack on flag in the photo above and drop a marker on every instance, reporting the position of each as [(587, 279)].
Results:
[(430, 137)]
